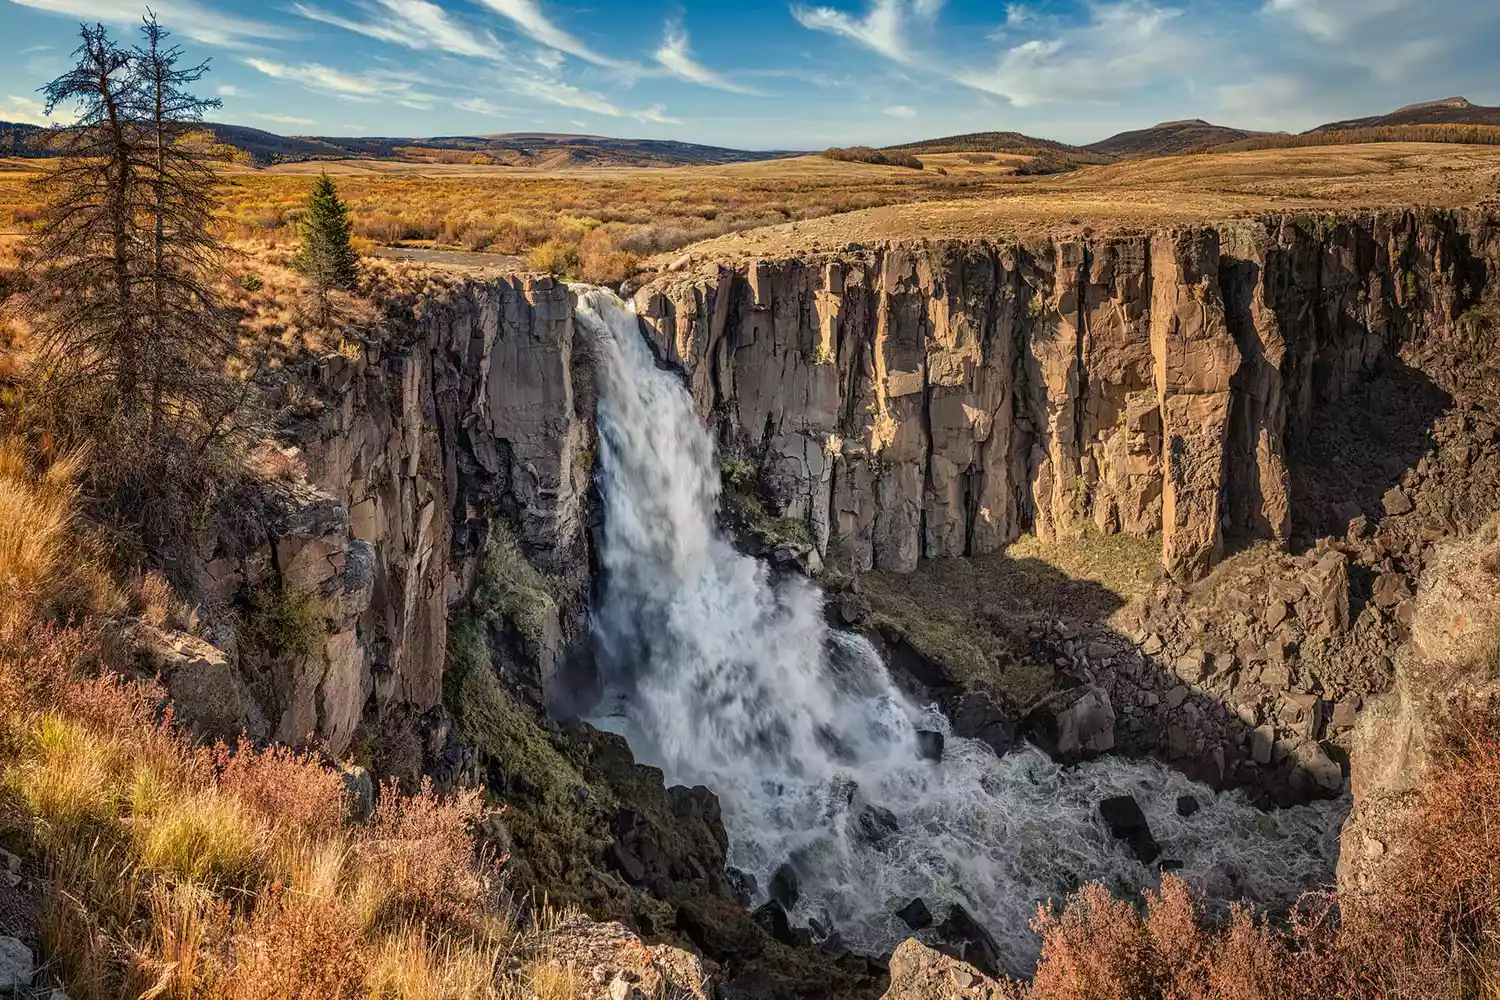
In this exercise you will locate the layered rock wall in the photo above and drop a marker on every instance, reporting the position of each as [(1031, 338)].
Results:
[(940, 400), (459, 415)]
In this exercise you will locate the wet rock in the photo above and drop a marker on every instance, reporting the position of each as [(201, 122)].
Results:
[(785, 886), (1170, 865), (1123, 816), (930, 745), (976, 717), (743, 885), (875, 825), (772, 919), (915, 915), (1079, 726), (1187, 805), (962, 937)]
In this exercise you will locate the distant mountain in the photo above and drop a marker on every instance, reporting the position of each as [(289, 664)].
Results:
[(1170, 137), (1449, 111), (530, 149)]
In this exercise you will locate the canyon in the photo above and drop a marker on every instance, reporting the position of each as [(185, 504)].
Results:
[(1296, 414)]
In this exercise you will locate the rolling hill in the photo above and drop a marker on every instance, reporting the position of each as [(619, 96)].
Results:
[(1449, 111), (1170, 137), (509, 149)]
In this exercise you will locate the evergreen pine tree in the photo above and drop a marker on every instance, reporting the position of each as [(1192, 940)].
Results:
[(326, 256)]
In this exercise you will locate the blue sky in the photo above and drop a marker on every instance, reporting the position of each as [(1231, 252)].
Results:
[(790, 73)]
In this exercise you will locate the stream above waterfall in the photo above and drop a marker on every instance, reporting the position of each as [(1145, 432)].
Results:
[(724, 673)]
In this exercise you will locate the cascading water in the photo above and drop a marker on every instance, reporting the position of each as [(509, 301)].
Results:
[(725, 675)]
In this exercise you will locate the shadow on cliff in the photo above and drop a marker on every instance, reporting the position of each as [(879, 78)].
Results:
[(1017, 650)]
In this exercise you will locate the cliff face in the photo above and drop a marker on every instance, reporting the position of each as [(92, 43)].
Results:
[(461, 416), (941, 400)]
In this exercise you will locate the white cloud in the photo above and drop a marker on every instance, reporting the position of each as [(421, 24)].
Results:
[(655, 115), (369, 87), (185, 17), (286, 119), (882, 29), (24, 110), (229, 90), (415, 24), (480, 106), (677, 60), (1333, 20), (900, 111), (532, 21), (1123, 46)]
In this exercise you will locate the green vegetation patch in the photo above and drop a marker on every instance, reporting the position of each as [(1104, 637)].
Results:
[(283, 620), (747, 516), (509, 591)]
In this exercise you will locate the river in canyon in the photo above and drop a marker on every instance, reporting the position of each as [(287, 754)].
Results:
[(724, 673)]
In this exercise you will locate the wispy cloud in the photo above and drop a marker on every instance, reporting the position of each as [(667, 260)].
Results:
[(900, 111), (186, 17), (228, 90), (24, 110), (415, 24), (1334, 20), (480, 106), (285, 119), (368, 86), (565, 95), (531, 20), (675, 57), (1121, 47), (885, 28)]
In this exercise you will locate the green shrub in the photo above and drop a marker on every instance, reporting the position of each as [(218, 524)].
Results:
[(283, 620), (251, 282)]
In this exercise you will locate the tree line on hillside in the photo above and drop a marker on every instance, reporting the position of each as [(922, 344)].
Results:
[(130, 339), (1477, 135)]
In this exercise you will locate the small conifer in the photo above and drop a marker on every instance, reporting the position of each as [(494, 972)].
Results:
[(326, 257)]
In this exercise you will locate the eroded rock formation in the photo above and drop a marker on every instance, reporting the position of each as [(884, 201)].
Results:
[(940, 400)]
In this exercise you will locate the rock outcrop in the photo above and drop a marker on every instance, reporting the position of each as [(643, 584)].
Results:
[(940, 399), (460, 413), (1453, 657)]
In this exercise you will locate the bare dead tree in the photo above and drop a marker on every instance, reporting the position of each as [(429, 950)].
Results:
[(133, 339), (85, 302), (190, 335), (133, 343)]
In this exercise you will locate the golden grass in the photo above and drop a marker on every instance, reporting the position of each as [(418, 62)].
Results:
[(180, 871)]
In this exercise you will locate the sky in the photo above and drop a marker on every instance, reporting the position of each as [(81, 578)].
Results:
[(787, 74)]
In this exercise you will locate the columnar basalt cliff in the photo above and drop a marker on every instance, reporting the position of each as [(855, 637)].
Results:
[(461, 415), (941, 399)]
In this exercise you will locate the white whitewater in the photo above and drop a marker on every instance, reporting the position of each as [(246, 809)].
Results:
[(724, 674)]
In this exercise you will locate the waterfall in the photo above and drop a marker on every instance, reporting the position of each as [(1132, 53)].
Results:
[(725, 674)]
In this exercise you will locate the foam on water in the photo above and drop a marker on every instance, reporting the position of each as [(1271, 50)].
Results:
[(725, 675)]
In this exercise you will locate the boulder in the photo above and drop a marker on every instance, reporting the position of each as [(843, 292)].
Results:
[(875, 825), (1187, 805), (208, 694), (1262, 742), (1078, 726), (915, 915), (1390, 590), (1124, 818), (1326, 607), (785, 886), (721, 929), (771, 918), (962, 937), (922, 973), (930, 745), (976, 717), (17, 966), (1396, 502)]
